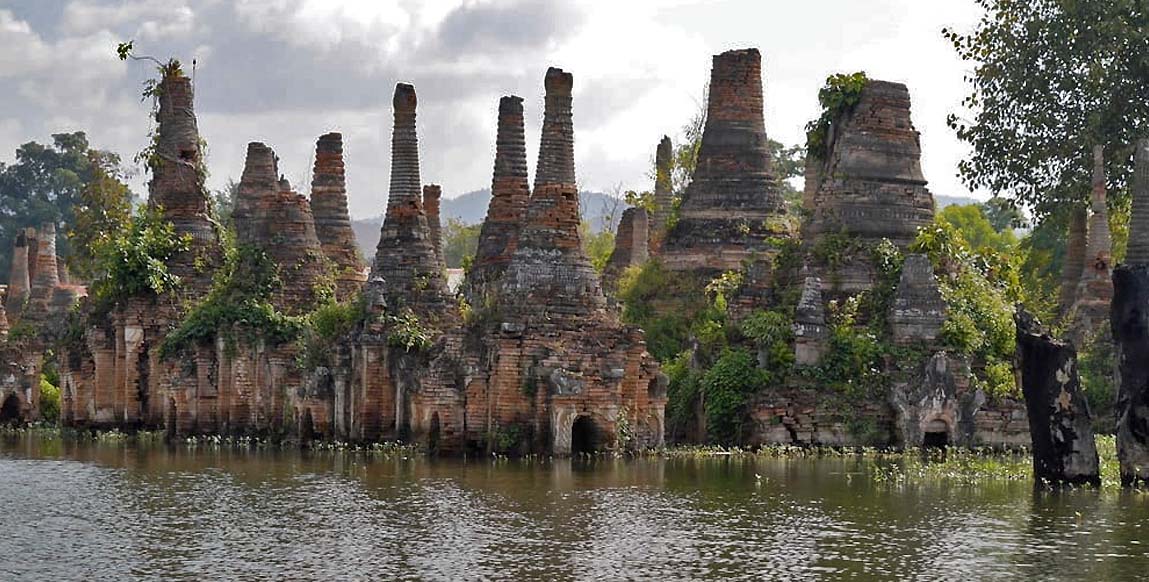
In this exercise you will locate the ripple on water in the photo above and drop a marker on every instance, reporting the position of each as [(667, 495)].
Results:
[(90, 512)]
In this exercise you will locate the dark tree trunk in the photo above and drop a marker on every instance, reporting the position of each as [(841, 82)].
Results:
[(1064, 452), (1130, 321)]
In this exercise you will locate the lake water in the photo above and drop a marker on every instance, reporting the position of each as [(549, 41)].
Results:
[(100, 511)]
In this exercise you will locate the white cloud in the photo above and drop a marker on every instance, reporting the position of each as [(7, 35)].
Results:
[(285, 71)]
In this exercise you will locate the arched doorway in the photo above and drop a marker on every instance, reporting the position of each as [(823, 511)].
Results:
[(937, 435), (584, 436), (433, 434), (10, 410)]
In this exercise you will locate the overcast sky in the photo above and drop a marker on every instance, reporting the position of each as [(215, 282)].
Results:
[(286, 71)]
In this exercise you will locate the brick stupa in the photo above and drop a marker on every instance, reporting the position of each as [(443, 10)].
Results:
[(663, 192), (332, 220), (733, 203), (550, 275), (270, 216), (871, 185), (177, 184), (407, 272), (510, 194)]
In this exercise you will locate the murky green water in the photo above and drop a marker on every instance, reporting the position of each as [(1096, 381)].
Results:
[(91, 511)]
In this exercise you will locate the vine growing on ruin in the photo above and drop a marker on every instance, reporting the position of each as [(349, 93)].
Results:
[(837, 97)]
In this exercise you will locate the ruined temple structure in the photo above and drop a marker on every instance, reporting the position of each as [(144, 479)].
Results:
[(1095, 289), (1074, 260), (663, 193), (510, 194), (1064, 451), (19, 280), (177, 184), (733, 203), (1129, 321), (810, 329), (332, 220), (273, 218), (870, 185), (631, 245), (545, 367), (432, 195), (407, 272), (919, 310)]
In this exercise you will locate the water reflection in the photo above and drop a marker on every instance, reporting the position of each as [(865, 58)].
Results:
[(106, 511)]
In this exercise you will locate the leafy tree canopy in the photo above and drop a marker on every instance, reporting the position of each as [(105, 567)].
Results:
[(1050, 79), (67, 183)]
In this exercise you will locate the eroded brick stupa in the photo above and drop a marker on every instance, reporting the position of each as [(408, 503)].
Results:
[(733, 203), (870, 184), (332, 220), (407, 272)]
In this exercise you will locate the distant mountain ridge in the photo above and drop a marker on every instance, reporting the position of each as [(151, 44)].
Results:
[(471, 208)]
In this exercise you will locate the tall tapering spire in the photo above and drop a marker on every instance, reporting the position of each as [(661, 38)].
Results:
[(510, 194), (1095, 290), (332, 220), (19, 282), (177, 183), (1074, 259), (550, 275), (432, 198), (1137, 253), (663, 192), (406, 270)]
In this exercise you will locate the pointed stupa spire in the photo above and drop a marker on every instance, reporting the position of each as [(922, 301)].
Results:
[(510, 194), (550, 275), (406, 270), (663, 191), (1137, 252), (1095, 291)]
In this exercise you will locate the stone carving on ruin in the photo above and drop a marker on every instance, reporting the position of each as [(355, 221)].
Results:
[(406, 272), (273, 218), (934, 406), (1095, 289), (918, 310), (810, 330), (663, 193), (1060, 427), (871, 184), (1129, 319), (510, 195), (332, 220), (630, 245), (733, 203)]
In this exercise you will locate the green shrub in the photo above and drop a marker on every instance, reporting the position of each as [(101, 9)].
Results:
[(237, 307), (681, 395), (838, 96), (49, 401), (134, 262), (727, 386)]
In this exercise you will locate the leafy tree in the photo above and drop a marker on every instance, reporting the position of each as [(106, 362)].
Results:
[(69, 184), (1051, 79), (460, 242), (104, 210), (976, 229)]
